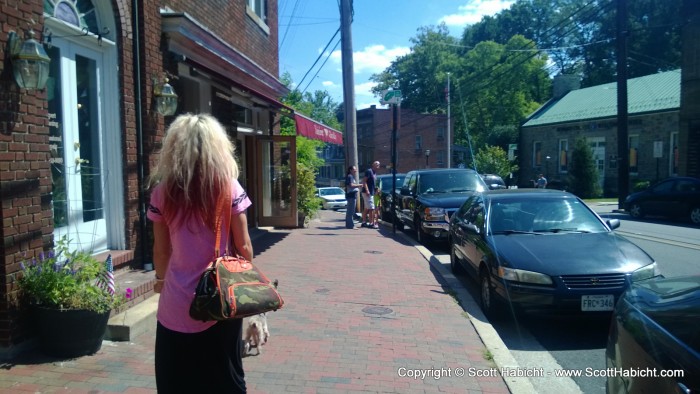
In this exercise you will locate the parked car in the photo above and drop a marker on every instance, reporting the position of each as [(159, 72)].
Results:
[(542, 249), (493, 181), (655, 328), (389, 191), (429, 197), (332, 197), (677, 197)]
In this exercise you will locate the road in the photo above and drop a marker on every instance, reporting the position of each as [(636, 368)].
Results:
[(579, 343)]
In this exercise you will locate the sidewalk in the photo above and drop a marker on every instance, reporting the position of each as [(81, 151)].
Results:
[(364, 309)]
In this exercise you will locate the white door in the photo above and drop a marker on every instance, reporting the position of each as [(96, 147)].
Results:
[(597, 145), (77, 166)]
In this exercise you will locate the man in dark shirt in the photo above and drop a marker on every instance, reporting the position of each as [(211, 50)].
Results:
[(368, 190)]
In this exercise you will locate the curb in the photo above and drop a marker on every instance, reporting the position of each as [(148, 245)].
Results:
[(492, 341)]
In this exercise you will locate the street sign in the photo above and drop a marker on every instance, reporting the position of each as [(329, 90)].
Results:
[(390, 97)]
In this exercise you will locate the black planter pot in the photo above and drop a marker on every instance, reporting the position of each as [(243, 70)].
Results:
[(69, 333)]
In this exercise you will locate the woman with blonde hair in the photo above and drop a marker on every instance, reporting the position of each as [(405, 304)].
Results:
[(196, 168)]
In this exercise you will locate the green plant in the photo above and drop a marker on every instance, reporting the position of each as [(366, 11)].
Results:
[(307, 202), (67, 279)]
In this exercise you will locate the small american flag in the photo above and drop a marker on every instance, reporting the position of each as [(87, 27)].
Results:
[(106, 280)]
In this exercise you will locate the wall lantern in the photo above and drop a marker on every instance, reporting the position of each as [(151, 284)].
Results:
[(166, 99), (30, 63)]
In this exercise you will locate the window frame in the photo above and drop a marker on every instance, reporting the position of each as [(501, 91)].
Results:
[(257, 11)]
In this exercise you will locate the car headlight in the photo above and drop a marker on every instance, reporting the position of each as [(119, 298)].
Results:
[(434, 214), (646, 272), (516, 275)]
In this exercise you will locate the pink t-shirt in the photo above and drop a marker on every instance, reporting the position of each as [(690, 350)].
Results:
[(192, 250)]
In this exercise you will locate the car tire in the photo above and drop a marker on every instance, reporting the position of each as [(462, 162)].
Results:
[(695, 215), (486, 294), (420, 235), (455, 265), (636, 211)]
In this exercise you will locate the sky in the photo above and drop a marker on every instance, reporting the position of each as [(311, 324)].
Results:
[(381, 32)]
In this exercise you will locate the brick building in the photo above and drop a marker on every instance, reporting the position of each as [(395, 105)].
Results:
[(421, 140), (75, 156)]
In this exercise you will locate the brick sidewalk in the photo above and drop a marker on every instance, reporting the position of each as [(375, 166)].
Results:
[(362, 307)]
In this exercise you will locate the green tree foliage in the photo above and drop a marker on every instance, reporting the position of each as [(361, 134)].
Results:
[(583, 173), (320, 107), (497, 87), (494, 160), (421, 75)]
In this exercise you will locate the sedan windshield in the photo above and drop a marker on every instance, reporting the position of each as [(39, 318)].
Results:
[(541, 216)]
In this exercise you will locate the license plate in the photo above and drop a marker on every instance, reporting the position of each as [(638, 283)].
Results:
[(603, 302)]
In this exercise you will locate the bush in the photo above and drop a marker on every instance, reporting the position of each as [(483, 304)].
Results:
[(307, 202), (63, 279), (640, 185)]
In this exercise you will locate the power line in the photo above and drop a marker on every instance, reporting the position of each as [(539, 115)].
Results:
[(319, 56), (321, 67)]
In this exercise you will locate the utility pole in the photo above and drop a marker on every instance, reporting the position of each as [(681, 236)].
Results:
[(449, 140), (623, 174), (351, 159), (396, 118)]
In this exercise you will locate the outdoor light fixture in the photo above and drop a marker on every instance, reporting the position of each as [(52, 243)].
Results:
[(166, 99), (30, 63), (427, 155)]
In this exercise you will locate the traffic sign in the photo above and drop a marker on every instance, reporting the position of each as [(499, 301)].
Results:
[(390, 97)]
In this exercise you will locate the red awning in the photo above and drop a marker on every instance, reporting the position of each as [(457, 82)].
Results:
[(309, 128)]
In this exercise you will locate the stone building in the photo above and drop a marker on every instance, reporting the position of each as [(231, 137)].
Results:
[(548, 136)]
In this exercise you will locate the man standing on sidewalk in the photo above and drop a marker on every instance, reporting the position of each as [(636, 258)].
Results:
[(351, 188), (368, 190)]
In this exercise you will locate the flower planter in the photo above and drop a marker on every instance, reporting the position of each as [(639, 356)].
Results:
[(69, 333)]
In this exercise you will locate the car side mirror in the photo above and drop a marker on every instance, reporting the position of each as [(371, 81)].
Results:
[(613, 223)]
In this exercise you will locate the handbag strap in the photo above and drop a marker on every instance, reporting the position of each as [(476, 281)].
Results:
[(222, 221)]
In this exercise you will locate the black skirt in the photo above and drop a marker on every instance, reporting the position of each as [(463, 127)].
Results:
[(204, 362)]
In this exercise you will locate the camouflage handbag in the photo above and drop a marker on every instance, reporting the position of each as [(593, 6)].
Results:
[(231, 287)]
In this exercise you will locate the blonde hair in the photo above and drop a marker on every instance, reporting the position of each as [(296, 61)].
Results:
[(196, 165)]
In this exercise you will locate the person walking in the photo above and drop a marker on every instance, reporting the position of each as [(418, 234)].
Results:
[(541, 182), (368, 189), (195, 169), (351, 189)]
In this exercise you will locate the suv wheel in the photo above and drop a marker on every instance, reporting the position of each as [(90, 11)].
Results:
[(420, 235)]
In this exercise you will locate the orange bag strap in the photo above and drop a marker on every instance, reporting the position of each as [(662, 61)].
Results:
[(222, 221)]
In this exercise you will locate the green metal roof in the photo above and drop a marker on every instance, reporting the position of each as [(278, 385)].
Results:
[(651, 93)]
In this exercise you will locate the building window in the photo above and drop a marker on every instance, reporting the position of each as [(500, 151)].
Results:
[(675, 158), (440, 158), (419, 143), (440, 133), (537, 154), (634, 153), (563, 156), (257, 10)]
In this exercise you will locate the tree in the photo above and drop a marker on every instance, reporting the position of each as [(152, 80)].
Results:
[(583, 173), (320, 107), (494, 160)]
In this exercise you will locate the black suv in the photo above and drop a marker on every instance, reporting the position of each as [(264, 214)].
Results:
[(429, 197)]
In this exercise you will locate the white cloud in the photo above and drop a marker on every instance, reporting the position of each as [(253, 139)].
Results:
[(473, 12), (328, 84), (372, 59)]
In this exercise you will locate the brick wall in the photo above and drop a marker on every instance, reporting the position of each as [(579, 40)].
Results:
[(374, 130), (230, 22), (25, 177)]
